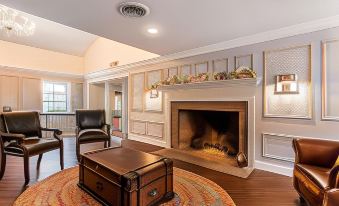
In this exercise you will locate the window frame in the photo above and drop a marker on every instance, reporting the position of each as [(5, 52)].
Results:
[(66, 94)]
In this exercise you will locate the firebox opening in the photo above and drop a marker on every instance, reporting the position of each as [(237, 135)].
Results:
[(216, 132)]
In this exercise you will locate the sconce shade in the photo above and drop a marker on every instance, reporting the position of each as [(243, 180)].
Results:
[(286, 84)]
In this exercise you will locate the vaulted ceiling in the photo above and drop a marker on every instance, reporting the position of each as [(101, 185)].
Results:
[(55, 37), (182, 24)]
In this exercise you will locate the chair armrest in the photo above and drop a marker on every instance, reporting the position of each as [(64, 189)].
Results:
[(331, 197), (333, 177), (12, 136), (56, 131), (317, 152)]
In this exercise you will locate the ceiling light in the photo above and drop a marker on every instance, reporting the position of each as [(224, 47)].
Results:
[(152, 30), (12, 22)]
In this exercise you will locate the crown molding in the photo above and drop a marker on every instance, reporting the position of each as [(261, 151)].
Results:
[(40, 72), (297, 29)]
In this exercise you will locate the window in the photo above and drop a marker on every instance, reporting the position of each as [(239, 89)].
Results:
[(55, 97)]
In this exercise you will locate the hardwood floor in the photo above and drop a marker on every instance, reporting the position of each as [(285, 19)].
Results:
[(260, 189)]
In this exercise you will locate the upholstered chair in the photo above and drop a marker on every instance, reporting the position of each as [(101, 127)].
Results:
[(91, 127), (21, 136), (315, 175)]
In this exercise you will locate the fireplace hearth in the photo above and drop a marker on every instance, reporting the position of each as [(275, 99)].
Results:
[(211, 130)]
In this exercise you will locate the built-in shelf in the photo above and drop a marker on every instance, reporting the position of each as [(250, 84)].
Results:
[(213, 84)]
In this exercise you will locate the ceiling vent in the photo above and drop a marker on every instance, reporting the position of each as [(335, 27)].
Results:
[(133, 9)]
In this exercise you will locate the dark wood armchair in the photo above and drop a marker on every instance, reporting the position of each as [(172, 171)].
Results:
[(21, 135), (315, 175), (91, 127)]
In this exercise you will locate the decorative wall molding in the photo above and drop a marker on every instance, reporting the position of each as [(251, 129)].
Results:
[(155, 129), (291, 60), (278, 146), (243, 60), (36, 72), (329, 81), (146, 129), (137, 94), (303, 28), (138, 127)]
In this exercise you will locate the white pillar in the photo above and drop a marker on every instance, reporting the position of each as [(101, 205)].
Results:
[(108, 104)]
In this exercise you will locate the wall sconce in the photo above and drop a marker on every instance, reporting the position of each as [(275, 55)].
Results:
[(286, 84), (154, 93)]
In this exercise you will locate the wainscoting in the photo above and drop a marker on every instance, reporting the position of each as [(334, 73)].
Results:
[(63, 121)]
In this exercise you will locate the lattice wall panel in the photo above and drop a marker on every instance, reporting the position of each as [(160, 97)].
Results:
[(297, 61)]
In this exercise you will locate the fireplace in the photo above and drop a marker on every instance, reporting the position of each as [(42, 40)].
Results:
[(216, 129)]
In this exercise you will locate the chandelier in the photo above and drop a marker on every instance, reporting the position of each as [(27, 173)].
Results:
[(12, 22)]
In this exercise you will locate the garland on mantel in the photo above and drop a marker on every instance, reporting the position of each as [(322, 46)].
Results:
[(240, 73)]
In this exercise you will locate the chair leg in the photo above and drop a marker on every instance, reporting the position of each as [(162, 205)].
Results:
[(3, 165), (39, 161), (62, 156), (26, 169), (109, 141)]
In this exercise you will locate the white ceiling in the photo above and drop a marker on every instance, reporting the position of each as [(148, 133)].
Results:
[(182, 24), (55, 37)]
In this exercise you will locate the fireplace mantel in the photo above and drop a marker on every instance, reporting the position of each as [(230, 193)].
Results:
[(213, 84)]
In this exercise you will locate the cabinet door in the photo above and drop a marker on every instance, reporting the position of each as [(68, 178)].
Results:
[(9, 92)]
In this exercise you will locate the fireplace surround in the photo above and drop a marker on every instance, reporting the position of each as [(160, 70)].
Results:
[(217, 128)]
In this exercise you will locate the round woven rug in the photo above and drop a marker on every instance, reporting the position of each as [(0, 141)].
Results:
[(61, 189)]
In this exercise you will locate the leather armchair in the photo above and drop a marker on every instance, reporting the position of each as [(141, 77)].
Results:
[(91, 127), (21, 135), (315, 177)]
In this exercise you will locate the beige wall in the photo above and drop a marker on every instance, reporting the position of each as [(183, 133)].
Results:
[(104, 51), (20, 56), (98, 56), (96, 96)]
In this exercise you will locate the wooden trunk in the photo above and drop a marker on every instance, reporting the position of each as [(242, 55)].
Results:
[(121, 176)]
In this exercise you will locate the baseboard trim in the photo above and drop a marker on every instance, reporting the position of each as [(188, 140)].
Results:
[(147, 140), (287, 171)]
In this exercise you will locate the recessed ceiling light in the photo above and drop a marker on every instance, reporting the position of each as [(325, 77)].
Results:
[(152, 30)]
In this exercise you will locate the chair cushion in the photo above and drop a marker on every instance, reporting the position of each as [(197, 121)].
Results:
[(317, 175), (34, 145), (92, 135)]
